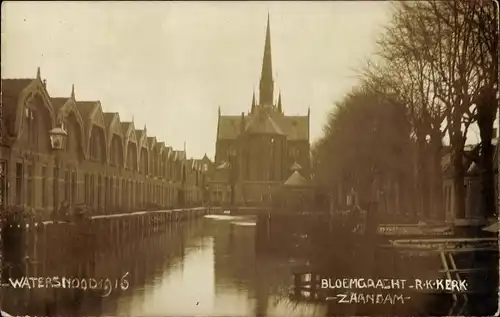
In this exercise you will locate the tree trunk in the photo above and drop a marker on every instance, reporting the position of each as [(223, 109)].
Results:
[(423, 179), (486, 118), (437, 179), (458, 182)]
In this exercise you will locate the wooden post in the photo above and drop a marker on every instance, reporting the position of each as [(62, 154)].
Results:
[(297, 277)]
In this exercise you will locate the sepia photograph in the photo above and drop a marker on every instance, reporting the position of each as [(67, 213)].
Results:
[(249, 158)]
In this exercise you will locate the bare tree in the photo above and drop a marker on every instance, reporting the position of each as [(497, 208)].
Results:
[(437, 61), (484, 21), (431, 40)]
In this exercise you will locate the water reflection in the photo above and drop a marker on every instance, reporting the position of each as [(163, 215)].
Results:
[(203, 267), (219, 275)]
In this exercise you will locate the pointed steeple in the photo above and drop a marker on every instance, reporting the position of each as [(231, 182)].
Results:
[(266, 76), (242, 123), (280, 108), (38, 73), (253, 102), (73, 91)]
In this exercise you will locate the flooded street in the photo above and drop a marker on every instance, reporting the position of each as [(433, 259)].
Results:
[(213, 265), (202, 267), (218, 274)]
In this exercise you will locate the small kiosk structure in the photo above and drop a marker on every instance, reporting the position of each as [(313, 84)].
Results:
[(296, 193)]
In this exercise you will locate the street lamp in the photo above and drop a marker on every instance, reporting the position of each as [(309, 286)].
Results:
[(57, 137)]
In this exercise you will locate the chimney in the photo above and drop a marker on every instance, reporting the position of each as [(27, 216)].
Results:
[(45, 83)]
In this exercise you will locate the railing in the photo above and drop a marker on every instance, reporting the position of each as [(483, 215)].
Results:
[(104, 247), (448, 258)]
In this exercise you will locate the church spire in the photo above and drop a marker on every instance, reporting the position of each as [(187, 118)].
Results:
[(266, 76), (253, 101), (280, 108)]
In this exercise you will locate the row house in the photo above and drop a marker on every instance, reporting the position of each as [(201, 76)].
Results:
[(105, 163)]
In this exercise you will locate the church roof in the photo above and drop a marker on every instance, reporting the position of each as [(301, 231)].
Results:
[(294, 127), (296, 179), (263, 124)]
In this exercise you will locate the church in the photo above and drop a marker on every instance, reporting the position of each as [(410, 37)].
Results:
[(258, 151)]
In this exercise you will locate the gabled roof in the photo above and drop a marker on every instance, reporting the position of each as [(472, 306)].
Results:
[(108, 117), (179, 155), (296, 179), (58, 102), (205, 157), (139, 133), (86, 107), (151, 141), (160, 146), (228, 127), (125, 126), (11, 91)]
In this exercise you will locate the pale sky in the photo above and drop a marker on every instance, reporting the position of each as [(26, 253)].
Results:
[(172, 64)]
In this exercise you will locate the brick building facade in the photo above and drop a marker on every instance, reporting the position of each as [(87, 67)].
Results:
[(106, 164)]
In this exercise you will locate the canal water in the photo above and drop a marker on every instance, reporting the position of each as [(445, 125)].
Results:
[(219, 273), (205, 267), (211, 266)]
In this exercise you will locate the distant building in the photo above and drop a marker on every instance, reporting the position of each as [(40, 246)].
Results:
[(106, 163), (260, 150), (472, 183)]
